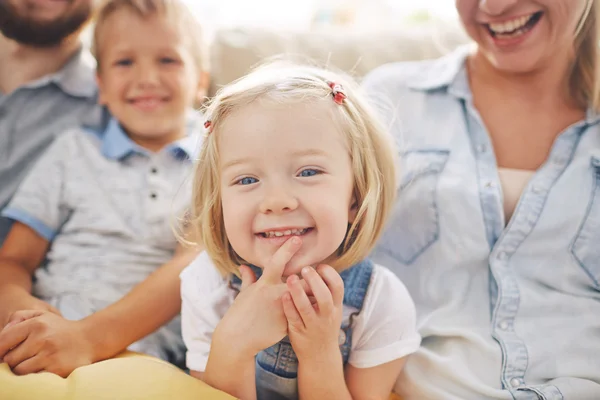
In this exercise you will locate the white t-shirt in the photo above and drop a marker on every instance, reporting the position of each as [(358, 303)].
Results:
[(385, 329)]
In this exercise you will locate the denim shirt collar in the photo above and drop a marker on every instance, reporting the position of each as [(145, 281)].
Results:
[(450, 73), (117, 145)]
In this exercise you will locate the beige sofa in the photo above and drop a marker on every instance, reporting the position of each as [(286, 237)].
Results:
[(233, 53)]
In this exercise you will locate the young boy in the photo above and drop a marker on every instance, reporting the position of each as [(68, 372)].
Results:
[(97, 211)]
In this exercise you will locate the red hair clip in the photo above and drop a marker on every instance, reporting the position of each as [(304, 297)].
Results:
[(208, 125), (338, 93)]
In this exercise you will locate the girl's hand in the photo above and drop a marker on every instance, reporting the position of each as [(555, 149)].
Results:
[(314, 328), (256, 321)]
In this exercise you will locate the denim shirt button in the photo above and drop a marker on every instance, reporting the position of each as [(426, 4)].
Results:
[(503, 325), (502, 255), (489, 185), (482, 148), (515, 382), (536, 189)]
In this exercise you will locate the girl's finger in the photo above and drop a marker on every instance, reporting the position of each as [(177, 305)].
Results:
[(301, 301), (273, 271), (319, 289), (334, 282), (291, 313), (247, 275)]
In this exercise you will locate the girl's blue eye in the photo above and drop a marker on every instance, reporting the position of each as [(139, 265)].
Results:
[(309, 172), (247, 181)]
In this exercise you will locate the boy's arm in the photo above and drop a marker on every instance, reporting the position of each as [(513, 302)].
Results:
[(20, 255), (60, 346), (146, 308)]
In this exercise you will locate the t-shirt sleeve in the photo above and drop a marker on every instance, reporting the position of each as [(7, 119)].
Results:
[(385, 329), (206, 296), (38, 202)]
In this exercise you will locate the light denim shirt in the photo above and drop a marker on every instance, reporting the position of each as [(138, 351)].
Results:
[(506, 311), (34, 114)]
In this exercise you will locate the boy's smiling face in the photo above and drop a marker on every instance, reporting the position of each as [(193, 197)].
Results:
[(147, 76)]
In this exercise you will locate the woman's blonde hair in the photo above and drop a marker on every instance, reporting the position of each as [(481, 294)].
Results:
[(175, 10), (371, 150), (584, 81)]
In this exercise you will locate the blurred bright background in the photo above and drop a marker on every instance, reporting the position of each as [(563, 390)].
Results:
[(302, 15)]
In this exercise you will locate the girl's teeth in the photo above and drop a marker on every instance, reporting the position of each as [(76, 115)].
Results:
[(285, 233)]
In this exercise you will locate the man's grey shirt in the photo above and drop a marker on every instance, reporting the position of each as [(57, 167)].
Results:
[(34, 114)]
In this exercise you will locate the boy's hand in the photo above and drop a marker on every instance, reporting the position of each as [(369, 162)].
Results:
[(256, 320), (37, 341), (314, 328)]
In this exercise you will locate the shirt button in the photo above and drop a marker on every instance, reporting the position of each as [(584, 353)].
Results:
[(503, 325), (153, 195), (482, 148), (154, 170), (536, 189), (515, 382), (489, 184), (502, 255)]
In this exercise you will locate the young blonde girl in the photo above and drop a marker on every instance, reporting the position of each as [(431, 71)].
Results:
[(292, 189)]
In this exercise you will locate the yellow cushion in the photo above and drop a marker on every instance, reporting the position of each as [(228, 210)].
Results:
[(129, 376)]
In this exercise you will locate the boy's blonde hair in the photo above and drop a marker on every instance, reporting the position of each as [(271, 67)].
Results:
[(371, 150), (175, 10)]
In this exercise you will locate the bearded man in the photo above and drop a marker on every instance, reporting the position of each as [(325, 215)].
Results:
[(47, 83)]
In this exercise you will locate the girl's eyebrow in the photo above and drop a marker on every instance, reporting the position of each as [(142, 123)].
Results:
[(299, 153), (309, 152)]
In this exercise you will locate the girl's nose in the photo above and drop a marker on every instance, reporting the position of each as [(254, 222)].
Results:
[(278, 200)]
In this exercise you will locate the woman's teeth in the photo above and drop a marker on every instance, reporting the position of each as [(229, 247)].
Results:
[(295, 232), (515, 27)]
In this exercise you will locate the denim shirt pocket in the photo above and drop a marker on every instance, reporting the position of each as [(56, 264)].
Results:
[(586, 244), (414, 225)]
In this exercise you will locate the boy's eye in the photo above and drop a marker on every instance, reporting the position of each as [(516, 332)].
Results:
[(247, 181), (125, 62), (308, 172)]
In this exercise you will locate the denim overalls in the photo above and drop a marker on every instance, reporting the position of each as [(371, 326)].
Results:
[(277, 366)]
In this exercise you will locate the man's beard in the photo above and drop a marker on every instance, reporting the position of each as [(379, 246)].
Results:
[(31, 32)]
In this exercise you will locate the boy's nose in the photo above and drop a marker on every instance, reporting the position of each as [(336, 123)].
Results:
[(496, 7), (147, 76), (278, 200)]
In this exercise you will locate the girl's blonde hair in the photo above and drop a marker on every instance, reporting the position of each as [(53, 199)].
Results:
[(371, 150), (175, 10), (584, 81)]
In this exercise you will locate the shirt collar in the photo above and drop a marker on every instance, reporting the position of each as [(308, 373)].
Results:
[(76, 78), (116, 145), (448, 72)]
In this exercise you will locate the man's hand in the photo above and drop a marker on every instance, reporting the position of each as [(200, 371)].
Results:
[(39, 341)]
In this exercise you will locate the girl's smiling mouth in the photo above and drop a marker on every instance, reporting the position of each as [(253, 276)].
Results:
[(284, 232)]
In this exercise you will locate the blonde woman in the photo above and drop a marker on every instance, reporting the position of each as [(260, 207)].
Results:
[(497, 231), (294, 173)]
